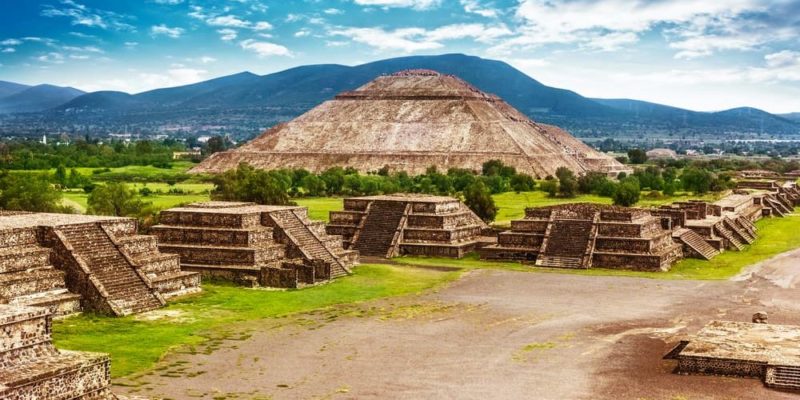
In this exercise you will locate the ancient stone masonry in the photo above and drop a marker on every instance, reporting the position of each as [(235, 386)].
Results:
[(105, 265), (31, 368), (392, 225), (409, 121), (745, 349), (276, 246), (588, 235)]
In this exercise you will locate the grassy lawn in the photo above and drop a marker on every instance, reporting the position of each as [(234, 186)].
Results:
[(775, 236), (135, 345), (319, 207), (160, 201), (145, 172)]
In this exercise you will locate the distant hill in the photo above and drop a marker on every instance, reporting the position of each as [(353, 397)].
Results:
[(9, 88), (245, 103), (37, 98), (792, 116)]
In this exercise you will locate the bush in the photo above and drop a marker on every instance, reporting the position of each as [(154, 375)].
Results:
[(29, 193), (117, 199), (637, 156), (550, 186), (478, 198), (627, 193), (522, 183), (567, 184)]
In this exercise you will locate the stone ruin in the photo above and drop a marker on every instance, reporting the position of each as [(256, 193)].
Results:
[(65, 262), (593, 235), (32, 368), (756, 350), (255, 245), (585, 235), (393, 225), (411, 120)]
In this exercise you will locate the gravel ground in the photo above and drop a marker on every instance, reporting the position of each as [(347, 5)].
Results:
[(491, 334)]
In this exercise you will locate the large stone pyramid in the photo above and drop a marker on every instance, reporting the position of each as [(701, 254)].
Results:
[(409, 121)]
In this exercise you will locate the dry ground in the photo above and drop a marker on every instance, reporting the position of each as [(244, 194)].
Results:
[(492, 334)]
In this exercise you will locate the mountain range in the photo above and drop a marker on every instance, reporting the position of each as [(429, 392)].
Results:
[(246, 103)]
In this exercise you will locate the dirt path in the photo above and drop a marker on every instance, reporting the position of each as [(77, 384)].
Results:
[(492, 334)]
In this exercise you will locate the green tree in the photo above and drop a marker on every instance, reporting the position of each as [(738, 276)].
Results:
[(696, 180), (627, 193), (592, 182), (550, 186), (116, 199), (60, 177), (567, 184), (246, 183), (29, 193), (637, 156), (479, 199), (522, 183), (314, 185)]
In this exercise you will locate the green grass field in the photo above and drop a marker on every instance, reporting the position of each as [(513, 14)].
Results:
[(160, 201), (136, 344), (319, 207)]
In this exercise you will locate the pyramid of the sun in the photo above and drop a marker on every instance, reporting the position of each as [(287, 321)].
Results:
[(409, 121)]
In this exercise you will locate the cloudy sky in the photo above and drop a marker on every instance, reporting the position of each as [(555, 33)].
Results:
[(704, 55)]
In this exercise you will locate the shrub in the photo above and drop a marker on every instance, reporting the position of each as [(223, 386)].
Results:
[(479, 199)]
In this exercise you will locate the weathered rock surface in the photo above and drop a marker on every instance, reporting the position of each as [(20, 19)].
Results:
[(410, 121)]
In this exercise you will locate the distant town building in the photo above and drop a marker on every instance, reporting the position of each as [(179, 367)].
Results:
[(662, 154)]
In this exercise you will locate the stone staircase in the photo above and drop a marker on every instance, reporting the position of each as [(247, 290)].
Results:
[(310, 244), (163, 270), (566, 243), (783, 377), (27, 278), (737, 230), (777, 207), (747, 225), (696, 242), (128, 292), (379, 227), (723, 231), (31, 368)]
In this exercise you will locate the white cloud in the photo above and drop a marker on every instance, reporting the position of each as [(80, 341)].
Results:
[(207, 59), (9, 50), (131, 44), (173, 77), (475, 7), (262, 26), (417, 39), (264, 49), (302, 33), (333, 11), (80, 14), (227, 34), (79, 56), (694, 28), (415, 4), (52, 58), (169, 2), (11, 42), (229, 21), (336, 43), (162, 29), (84, 49)]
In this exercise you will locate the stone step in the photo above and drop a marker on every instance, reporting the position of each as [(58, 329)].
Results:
[(66, 376), (558, 262), (60, 302), (697, 243), (18, 258)]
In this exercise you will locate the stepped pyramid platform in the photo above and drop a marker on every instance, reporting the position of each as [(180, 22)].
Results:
[(408, 121), (585, 235), (102, 259), (256, 245), (399, 224), (766, 351), (31, 368)]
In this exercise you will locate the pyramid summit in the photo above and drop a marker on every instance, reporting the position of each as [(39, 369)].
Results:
[(411, 120)]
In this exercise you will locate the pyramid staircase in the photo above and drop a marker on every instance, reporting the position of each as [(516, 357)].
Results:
[(783, 377), (378, 228), (567, 244), (696, 242), (729, 236), (27, 278), (296, 228), (777, 207), (747, 225), (124, 289), (163, 270), (742, 234), (32, 368)]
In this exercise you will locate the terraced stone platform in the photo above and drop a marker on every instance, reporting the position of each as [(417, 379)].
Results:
[(398, 224), (766, 351), (66, 262), (588, 235), (252, 244), (32, 369)]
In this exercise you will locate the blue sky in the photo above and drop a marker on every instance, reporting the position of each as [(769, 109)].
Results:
[(704, 55)]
